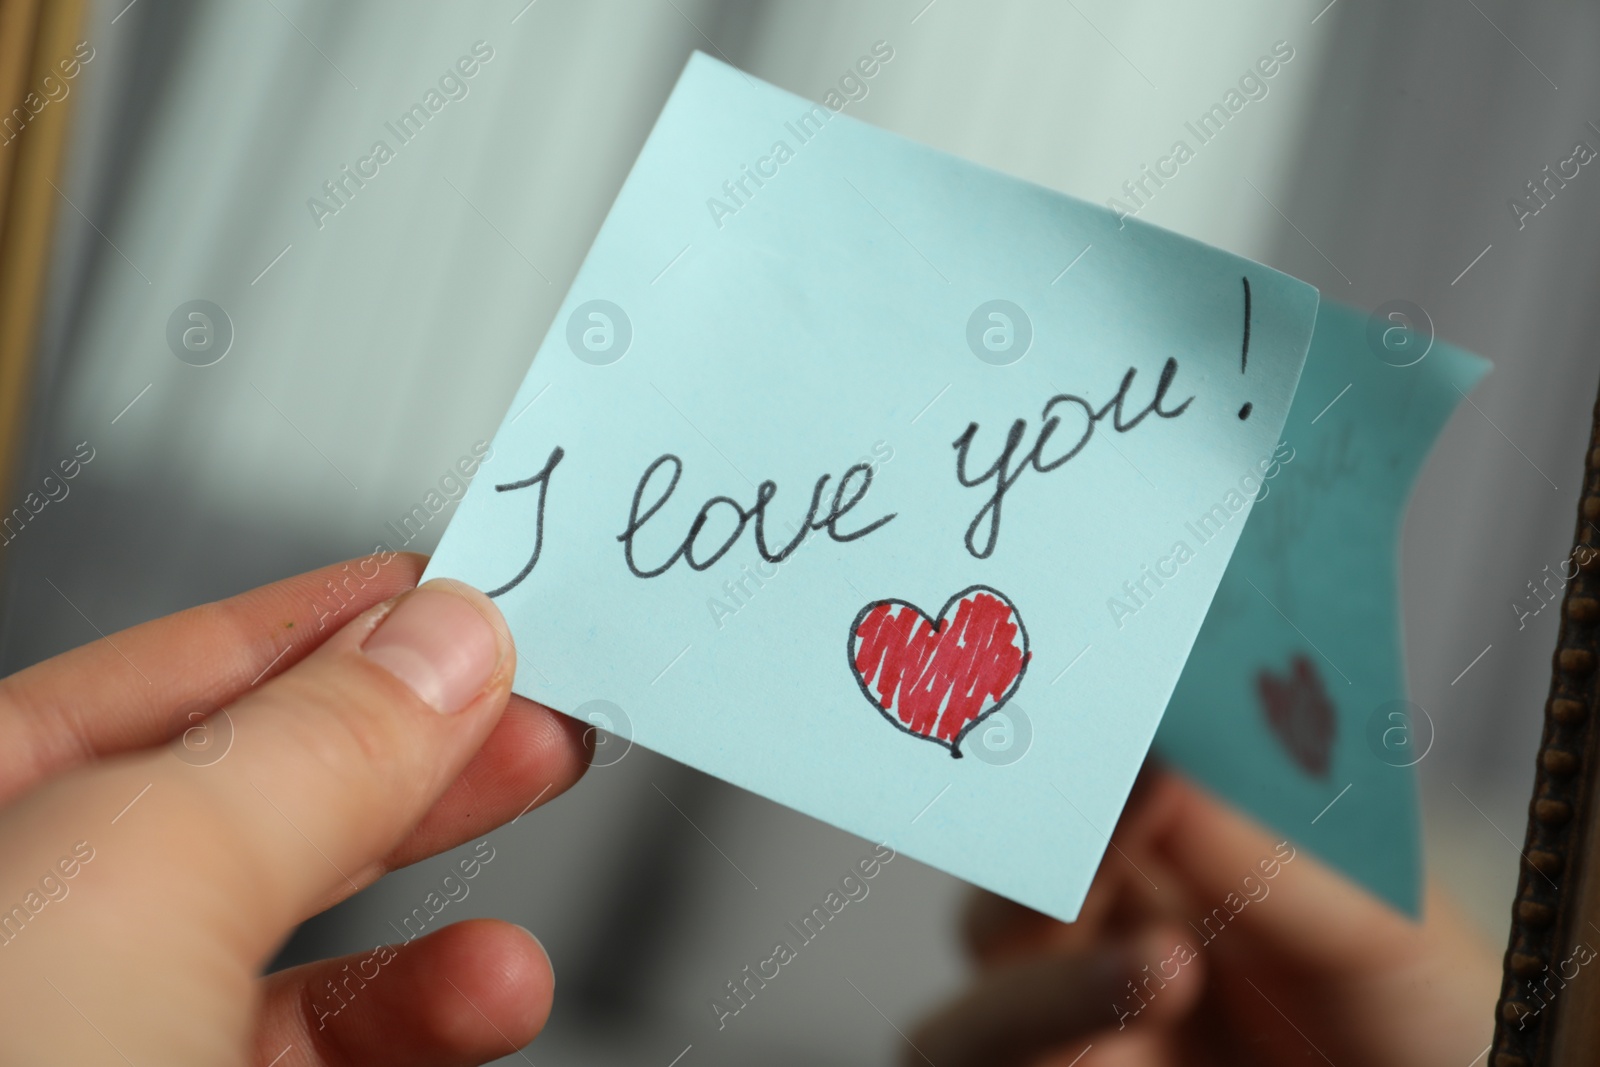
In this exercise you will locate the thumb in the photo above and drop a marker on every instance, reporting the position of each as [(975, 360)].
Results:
[(1240, 875), (333, 762), (186, 878), (330, 765), (1362, 981)]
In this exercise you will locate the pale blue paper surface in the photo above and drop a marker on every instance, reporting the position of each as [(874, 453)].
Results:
[(825, 322), (1315, 576)]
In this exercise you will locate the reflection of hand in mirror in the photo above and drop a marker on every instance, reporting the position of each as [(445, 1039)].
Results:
[(1206, 940), (153, 860)]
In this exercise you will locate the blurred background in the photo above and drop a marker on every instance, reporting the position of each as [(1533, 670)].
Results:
[(369, 353)]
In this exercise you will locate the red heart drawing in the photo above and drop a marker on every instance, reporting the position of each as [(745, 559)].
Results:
[(937, 678), (1299, 712)]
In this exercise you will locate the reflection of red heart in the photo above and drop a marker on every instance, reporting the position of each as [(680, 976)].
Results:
[(1299, 712), (937, 679)]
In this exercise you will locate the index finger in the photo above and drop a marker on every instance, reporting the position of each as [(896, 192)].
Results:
[(143, 686), (122, 691)]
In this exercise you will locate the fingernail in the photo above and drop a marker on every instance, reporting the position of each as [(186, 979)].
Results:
[(549, 964), (441, 644)]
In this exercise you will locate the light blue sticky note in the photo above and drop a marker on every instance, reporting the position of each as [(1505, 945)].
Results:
[(1294, 704), (758, 452)]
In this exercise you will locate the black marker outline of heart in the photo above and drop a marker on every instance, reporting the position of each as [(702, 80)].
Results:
[(936, 622)]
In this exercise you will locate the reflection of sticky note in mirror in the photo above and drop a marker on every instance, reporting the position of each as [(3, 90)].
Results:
[(1293, 705), (832, 457)]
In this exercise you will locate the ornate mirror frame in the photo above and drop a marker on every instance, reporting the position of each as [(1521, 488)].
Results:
[(1547, 1013)]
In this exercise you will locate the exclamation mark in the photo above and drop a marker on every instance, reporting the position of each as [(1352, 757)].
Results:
[(1244, 352)]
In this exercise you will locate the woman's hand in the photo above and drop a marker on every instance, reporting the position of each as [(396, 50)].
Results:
[(143, 886), (1207, 941)]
